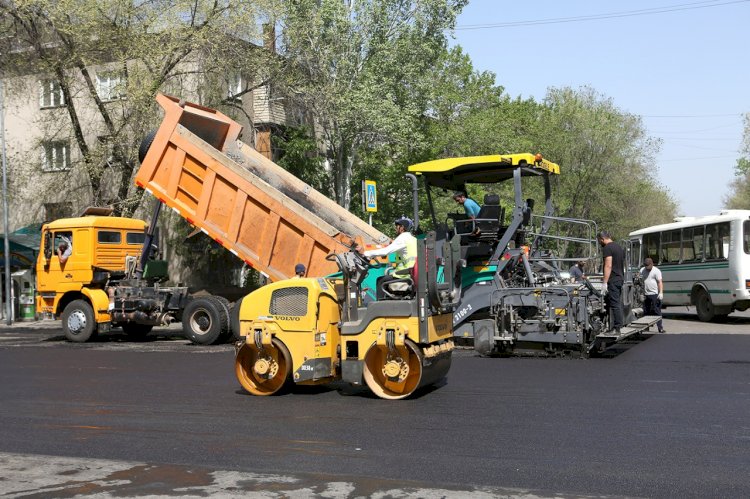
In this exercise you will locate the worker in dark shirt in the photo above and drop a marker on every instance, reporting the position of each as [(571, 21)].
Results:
[(614, 277), (576, 271)]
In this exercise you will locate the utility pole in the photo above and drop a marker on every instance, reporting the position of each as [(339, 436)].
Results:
[(8, 301)]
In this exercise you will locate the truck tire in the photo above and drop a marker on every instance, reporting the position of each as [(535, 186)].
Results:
[(202, 320), (136, 332), (234, 320), (78, 321), (226, 327), (146, 145)]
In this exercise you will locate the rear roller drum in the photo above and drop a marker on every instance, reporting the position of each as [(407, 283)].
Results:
[(266, 371), (396, 374)]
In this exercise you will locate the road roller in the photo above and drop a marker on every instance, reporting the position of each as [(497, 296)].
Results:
[(310, 331)]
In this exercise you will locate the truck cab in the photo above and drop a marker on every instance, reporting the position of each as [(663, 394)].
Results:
[(99, 247)]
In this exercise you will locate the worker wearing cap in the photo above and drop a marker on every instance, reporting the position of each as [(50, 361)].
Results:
[(405, 247)]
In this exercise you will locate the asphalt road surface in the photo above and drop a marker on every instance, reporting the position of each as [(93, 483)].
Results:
[(667, 417)]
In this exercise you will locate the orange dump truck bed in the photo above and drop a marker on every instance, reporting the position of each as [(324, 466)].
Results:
[(253, 207)]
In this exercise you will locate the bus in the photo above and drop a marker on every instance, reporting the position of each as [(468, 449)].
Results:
[(705, 261)]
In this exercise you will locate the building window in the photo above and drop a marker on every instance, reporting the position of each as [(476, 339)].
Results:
[(236, 85), (54, 211), (55, 156), (51, 94), (110, 85)]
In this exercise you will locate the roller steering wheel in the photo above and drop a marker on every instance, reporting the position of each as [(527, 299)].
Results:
[(371, 263)]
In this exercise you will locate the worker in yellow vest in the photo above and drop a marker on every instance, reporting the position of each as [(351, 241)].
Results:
[(405, 248)]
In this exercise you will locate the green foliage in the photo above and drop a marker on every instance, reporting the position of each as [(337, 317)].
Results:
[(606, 161), (298, 152), (362, 69), (739, 191)]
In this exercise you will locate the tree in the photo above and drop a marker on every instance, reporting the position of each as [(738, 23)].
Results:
[(362, 69), (739, 193), (606, 160), (109, 58)]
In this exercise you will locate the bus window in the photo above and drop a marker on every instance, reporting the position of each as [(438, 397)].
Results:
[(670, 246), (698, 242), (651, 246), (724, 238), (746, 236), (712, 246), (688, 250), (717, 241)]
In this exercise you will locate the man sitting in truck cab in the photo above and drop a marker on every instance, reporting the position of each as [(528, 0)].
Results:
[(64, 249), (405, 248)]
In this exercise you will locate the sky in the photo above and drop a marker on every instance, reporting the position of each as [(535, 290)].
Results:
[(682, 65)]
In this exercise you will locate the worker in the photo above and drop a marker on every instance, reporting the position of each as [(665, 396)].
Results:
[(576, 271), (299, 271), (471, 208), (64, 250), (614, 277), (405, 248), (653, 288)]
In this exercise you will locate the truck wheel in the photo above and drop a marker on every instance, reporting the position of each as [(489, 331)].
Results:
[(146, 145), (202, 320), (234, 320), (78, 321), (136, 332), (226, 325), (704, 306)]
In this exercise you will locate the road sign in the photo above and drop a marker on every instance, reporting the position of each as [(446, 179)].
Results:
[(371, 196)]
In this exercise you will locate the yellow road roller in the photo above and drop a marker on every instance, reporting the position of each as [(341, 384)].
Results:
[(310, 331)]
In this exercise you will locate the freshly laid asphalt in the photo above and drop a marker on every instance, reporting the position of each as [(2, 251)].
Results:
[(667, 417)]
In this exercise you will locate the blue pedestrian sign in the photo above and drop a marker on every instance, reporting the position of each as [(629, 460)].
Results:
[(371, 196)]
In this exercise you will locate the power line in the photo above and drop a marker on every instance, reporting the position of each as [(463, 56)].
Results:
[(596, 17), (738, 115), (739, 123)]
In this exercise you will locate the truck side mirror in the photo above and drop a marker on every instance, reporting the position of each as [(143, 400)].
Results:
[(48, 245)]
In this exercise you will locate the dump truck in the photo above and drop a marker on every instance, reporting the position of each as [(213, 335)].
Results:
[(517, 296), (195, 165)]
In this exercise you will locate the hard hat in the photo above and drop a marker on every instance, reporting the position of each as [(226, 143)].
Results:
[(405, 222)]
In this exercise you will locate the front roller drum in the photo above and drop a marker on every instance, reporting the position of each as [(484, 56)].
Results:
[(265, 371), (397, 373)]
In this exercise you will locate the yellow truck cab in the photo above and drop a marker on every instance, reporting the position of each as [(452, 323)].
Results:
[(99, 247)]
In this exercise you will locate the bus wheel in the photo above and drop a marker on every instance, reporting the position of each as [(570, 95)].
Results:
[(704, 306)]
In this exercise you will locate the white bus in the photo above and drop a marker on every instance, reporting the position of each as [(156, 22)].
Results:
[(705, 261)]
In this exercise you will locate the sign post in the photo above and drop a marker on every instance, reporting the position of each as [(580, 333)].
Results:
[(370, 197)]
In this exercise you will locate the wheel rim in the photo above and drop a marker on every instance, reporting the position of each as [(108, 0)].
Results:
[(76, 321), (200, 321), (393, 374), (263, 372)]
